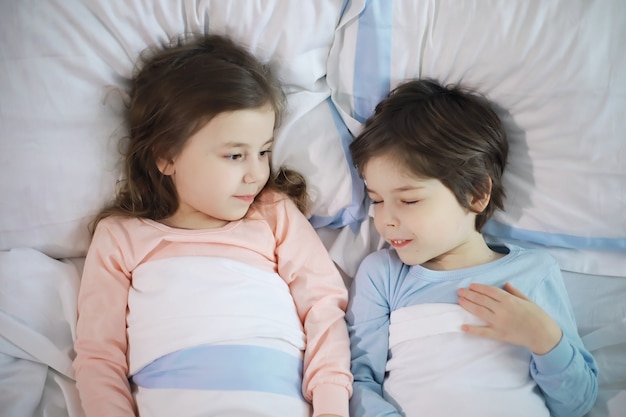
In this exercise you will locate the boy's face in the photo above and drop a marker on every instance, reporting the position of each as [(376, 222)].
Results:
[(420, 217), (221, 168)]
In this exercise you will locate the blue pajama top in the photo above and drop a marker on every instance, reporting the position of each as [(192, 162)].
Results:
[(566, 376)]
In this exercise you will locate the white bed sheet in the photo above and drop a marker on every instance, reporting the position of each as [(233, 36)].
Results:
[(559, 67), (598, 303)]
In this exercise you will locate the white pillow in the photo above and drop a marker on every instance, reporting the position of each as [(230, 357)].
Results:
[(61, 119), (557, 68)]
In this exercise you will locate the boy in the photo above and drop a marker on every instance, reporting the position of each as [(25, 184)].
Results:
[(437, 323)]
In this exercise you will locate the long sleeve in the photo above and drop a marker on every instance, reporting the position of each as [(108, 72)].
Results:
[(320, 297), (100, 364), (368, 326), (567, 375)]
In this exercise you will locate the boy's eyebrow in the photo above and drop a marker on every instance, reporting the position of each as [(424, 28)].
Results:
[(409, 188), (399, 189)]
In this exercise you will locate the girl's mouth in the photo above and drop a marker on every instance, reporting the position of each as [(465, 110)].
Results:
[(245, 198)]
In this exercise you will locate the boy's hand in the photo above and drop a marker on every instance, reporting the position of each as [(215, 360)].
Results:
[(510, 316)]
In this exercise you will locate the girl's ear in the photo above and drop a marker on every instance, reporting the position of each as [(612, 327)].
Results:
[(479, 204), (166, 166)]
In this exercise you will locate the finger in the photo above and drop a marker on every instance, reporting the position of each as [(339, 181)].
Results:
[(477, 304), (490, 291), (482, 331), (484, 295), (508, 287)]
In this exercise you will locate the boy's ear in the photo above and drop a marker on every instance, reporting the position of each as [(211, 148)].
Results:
[(166, 166), (479, 204)]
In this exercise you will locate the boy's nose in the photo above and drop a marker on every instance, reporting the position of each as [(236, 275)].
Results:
[(391, 223), (389, 219)]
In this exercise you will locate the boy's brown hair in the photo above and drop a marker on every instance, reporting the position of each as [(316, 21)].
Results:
[(448, 133)]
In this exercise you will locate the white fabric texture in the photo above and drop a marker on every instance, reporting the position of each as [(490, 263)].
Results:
[(435, 369), (558, 68), (37, 325), (598, 303), (170, 299), (558, 73), (64, 64), (190, 403)]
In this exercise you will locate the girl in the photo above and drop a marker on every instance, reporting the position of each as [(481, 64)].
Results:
[(205, 290), (438, 326)]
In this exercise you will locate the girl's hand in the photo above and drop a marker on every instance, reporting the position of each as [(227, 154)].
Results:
[(510, 316)]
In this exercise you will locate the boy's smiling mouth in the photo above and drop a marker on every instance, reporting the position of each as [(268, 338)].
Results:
[(398, 243)]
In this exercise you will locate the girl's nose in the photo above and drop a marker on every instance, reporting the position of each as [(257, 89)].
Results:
[(254, 171)]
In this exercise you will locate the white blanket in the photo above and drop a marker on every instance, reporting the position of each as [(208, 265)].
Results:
[(436, 370), (211, 336), (37, 324)]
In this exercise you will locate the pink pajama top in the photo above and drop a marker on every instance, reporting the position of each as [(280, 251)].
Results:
[(274, 237)]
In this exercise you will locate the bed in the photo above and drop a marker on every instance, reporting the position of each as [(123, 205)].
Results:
[(557, 69)]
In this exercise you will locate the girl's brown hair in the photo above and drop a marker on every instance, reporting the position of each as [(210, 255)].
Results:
[(176, 89), (447, 133)]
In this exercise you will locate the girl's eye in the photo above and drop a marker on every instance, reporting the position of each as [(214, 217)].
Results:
[(410, 202), (234, 157), (265, 153)]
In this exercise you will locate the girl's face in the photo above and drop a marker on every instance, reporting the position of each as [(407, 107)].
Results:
[(421, 218), (221, 169)]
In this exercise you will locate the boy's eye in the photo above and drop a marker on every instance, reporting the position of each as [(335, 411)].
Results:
[(374, 199)]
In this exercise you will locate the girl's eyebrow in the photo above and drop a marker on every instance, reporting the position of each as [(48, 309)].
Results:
[(246, 145)]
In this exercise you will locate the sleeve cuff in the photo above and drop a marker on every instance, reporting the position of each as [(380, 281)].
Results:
[(556, 360), (330, 399)]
